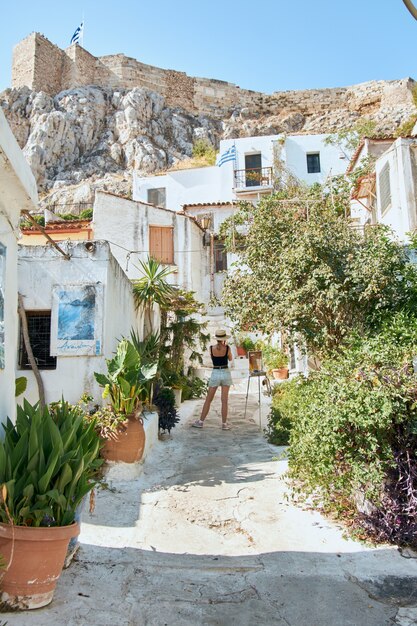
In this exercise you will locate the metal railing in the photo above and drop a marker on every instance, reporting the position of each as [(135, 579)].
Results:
[(253, 177)]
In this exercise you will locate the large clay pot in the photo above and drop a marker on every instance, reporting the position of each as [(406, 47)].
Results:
[(128, 443), (280, 374), (36, 557)]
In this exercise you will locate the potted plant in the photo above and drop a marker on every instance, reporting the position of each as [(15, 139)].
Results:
[(244, 344), (276, 361), (47, 464), (125, 384), (164, 400)]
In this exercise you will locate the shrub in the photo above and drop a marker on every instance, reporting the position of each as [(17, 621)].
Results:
[(202, 149), (194, 388), (164, 400), (354, 432), (283, 410)]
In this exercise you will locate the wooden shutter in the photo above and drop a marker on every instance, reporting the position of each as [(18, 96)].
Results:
[(161, 244)]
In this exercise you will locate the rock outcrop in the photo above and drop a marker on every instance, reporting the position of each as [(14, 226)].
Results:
[(93, 137)]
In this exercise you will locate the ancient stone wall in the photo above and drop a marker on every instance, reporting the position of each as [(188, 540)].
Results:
[(38, 64), (41, 65)]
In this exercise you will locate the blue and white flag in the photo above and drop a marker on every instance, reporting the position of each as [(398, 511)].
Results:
[(76, 36), (229, 155)]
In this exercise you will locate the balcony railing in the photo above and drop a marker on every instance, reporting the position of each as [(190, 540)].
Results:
[(253, 177)]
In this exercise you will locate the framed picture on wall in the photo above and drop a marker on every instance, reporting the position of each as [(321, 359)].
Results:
[(77, 320)]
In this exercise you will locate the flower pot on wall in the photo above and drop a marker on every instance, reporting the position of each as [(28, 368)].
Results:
[(127, 443), (280, 374), (36, 557)]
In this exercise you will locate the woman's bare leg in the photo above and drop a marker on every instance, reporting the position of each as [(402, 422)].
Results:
[(225, 402), (206, 406)]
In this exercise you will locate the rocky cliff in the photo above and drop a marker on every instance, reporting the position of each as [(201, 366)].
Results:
[(93, 137)]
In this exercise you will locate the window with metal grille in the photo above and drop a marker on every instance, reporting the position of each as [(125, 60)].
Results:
[(157, 197), (39, 327), (384, 189), (220, 257), (313, 163), (161, 244)]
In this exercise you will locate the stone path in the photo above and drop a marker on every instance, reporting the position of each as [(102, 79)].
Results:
[(207, 536)]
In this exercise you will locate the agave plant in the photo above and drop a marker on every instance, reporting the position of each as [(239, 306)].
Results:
[(47, 463)]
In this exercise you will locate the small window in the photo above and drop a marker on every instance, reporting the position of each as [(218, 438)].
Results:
[(220, 257), (39, 327), (313, 163), (157, 197), (161, 244), (384, 189)]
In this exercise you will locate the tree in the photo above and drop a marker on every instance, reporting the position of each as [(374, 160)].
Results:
[(152, 288), (303, 268)]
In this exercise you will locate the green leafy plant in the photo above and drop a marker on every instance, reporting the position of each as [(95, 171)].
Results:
[(274, 357), (20, 385), (126, 380), (194, 388), (285, 398), (47, 463), (204, 151)]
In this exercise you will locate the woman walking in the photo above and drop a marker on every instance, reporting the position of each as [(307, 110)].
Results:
[(220, 354)]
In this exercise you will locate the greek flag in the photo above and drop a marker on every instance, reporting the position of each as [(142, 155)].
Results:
[(229, 155), (76, 36)]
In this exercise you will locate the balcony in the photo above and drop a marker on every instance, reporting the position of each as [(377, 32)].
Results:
[(254, 179)]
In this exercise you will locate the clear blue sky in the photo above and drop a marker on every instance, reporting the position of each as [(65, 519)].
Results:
[(268, 45)]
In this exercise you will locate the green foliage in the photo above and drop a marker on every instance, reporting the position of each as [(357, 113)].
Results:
[(47, 463), (127, 379), (285, 398), (273, 356), (164, 400), (305, 269), (349, 138), (152, 288), (353, 418), (194, 388), (245, 342), (203, 150), (20, 385), (181, 332)]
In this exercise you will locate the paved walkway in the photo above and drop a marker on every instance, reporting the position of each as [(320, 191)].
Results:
[(206, 536)]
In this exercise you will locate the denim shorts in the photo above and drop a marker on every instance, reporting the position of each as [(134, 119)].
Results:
[(222, 378)]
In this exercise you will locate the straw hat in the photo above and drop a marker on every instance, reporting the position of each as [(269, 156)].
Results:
[(221, 334)]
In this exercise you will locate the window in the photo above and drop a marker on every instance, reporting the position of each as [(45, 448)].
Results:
[(39, 327), (253, 169), (161, 244), (220, 257), (313, 163), (157, 197), (384, 189)]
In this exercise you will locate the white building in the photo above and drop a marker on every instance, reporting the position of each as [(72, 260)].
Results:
[(136, 230), (388, 195), (258, 162), (18, 192), (77, 310)]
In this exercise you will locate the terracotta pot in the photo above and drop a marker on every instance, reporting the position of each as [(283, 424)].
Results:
[(36, 558), (280, 374), (127, 444), (240, 351)]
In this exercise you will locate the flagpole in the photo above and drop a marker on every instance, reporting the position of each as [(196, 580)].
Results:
[(82, 32)]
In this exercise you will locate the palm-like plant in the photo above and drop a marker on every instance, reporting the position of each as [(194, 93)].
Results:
[(152, 288)]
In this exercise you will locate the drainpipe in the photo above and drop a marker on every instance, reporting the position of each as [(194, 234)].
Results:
[(211, 265)]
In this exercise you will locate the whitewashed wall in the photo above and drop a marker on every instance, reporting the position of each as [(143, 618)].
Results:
[(216, 184), (201, 184), (17, 192), (295, 152), (41, 268), (401, 215), (125, 224)]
